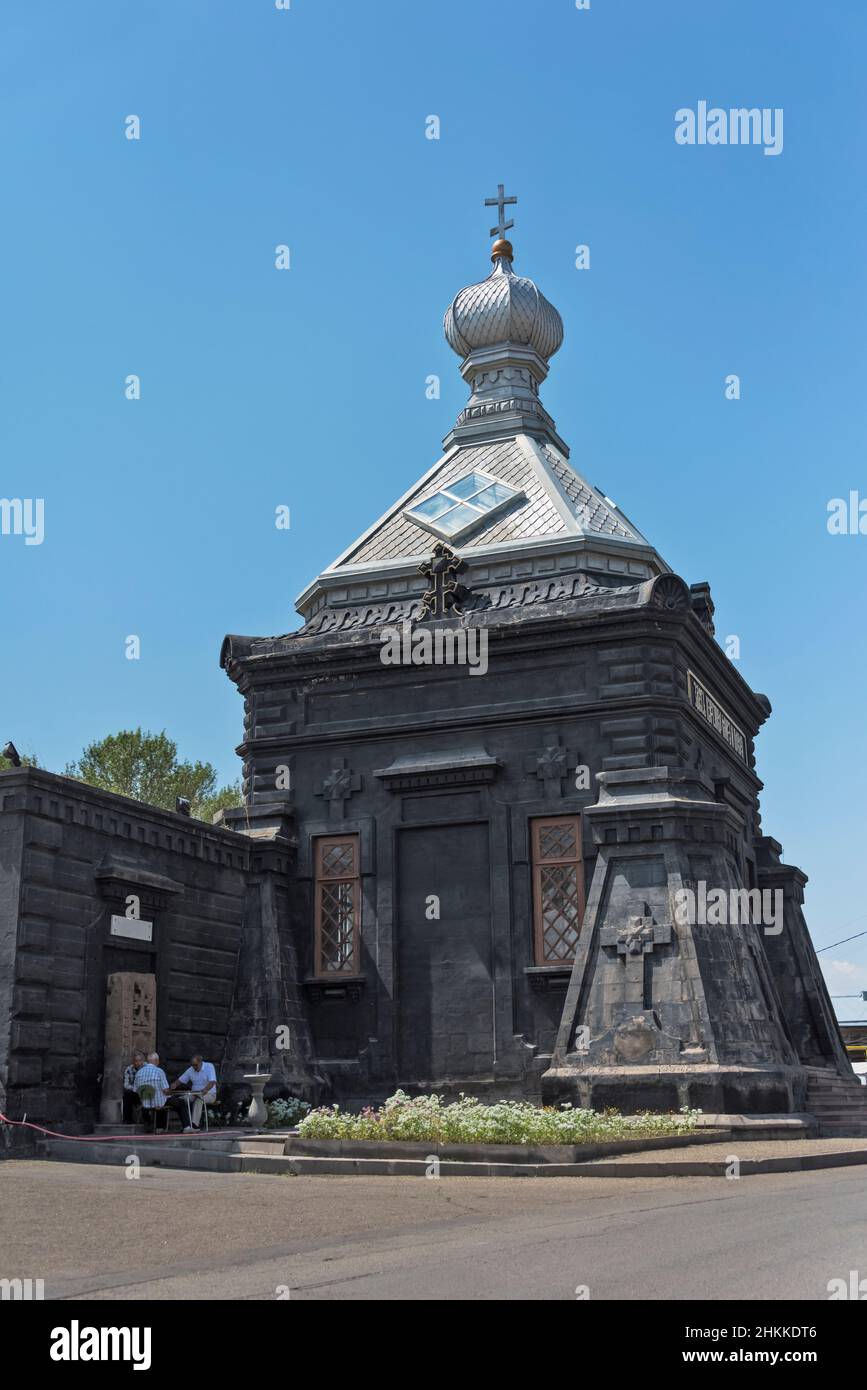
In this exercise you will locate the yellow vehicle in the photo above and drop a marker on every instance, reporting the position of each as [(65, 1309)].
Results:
[(857, 1054)]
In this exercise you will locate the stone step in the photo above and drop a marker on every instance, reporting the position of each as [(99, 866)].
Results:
[(839, 1086), (858, 1107), (840, 1117), (267, 1146), (850, 1121), (823, 1073), (815, 1083), (856, 1096), (855, 1112), (792, 1126), (839, 1083), (834, 1086), (211, 1159), (849, 1097), (837, 1103)]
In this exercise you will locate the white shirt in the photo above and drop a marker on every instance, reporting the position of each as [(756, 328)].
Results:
[(201, 1078)]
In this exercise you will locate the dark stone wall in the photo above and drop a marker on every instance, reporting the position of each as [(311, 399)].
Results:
[(11, 831), (440, 774), (69, 854), (382, 751), (269, 1021), (809, 1014)]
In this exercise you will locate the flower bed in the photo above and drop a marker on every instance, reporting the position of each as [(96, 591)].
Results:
[(471, 1121), (286, 1113)]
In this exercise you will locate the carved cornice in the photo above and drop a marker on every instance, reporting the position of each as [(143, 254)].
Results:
[(460, 769), (522, 594), (117, 879)]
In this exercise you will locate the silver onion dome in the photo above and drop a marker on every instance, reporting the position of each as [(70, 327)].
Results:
[(504, 308)]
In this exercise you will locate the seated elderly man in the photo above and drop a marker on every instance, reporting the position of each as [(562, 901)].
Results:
[(200, 1078), (152, 1085), (130, 1098)]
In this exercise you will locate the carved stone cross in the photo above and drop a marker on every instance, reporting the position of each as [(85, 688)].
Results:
[(635, 942), (445, 594), (338, 786), (551, 763)]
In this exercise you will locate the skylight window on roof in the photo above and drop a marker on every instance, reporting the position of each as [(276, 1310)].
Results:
[(458, 507)]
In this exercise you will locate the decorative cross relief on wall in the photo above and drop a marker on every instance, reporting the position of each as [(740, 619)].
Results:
[(635, 943), (338, 787), (445, 595), (551, 763)]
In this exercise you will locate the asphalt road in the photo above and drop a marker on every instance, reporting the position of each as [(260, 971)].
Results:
[(91, 1232)]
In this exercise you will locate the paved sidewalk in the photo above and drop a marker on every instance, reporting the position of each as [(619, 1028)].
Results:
[(753, 1149), (90, 1232)]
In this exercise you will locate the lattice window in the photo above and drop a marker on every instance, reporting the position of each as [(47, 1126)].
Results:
[(337, 906), (558, 888)]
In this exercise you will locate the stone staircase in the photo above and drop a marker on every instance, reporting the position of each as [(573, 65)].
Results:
[(839, 1106)]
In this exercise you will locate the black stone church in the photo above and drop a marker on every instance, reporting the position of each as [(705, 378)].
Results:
[(458, 867)]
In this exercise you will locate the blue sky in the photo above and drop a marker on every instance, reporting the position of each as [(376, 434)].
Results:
[(307, 388)]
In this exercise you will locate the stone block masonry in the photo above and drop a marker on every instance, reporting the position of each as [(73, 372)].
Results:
[(71, 860)]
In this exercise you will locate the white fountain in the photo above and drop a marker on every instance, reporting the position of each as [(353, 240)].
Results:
[(258, 1111)]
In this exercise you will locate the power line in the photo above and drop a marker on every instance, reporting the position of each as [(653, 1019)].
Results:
[(841, 943)]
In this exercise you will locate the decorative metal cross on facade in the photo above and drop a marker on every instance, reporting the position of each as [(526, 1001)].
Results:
[(500, 203), (445, 595), (338, 786), (635, 942)]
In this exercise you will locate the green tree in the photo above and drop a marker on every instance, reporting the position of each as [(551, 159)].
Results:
[(145, 766), (222, 799), (27, 760)]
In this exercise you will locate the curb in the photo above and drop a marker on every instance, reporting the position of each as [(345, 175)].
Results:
[(298, 1166)]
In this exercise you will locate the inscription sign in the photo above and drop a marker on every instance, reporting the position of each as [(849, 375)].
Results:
[(132, 927), (714, 714)]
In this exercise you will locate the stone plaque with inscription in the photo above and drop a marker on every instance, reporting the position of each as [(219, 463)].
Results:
[(713, 713), (134, 928)]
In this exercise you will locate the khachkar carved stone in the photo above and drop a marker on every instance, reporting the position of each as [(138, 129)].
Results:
[(130, 1026), (665, 1009)]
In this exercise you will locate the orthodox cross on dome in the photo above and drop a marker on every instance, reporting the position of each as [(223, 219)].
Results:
[(444, 597), (500, 203)]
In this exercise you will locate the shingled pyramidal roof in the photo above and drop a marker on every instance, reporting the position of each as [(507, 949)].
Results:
[(503, 497)]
